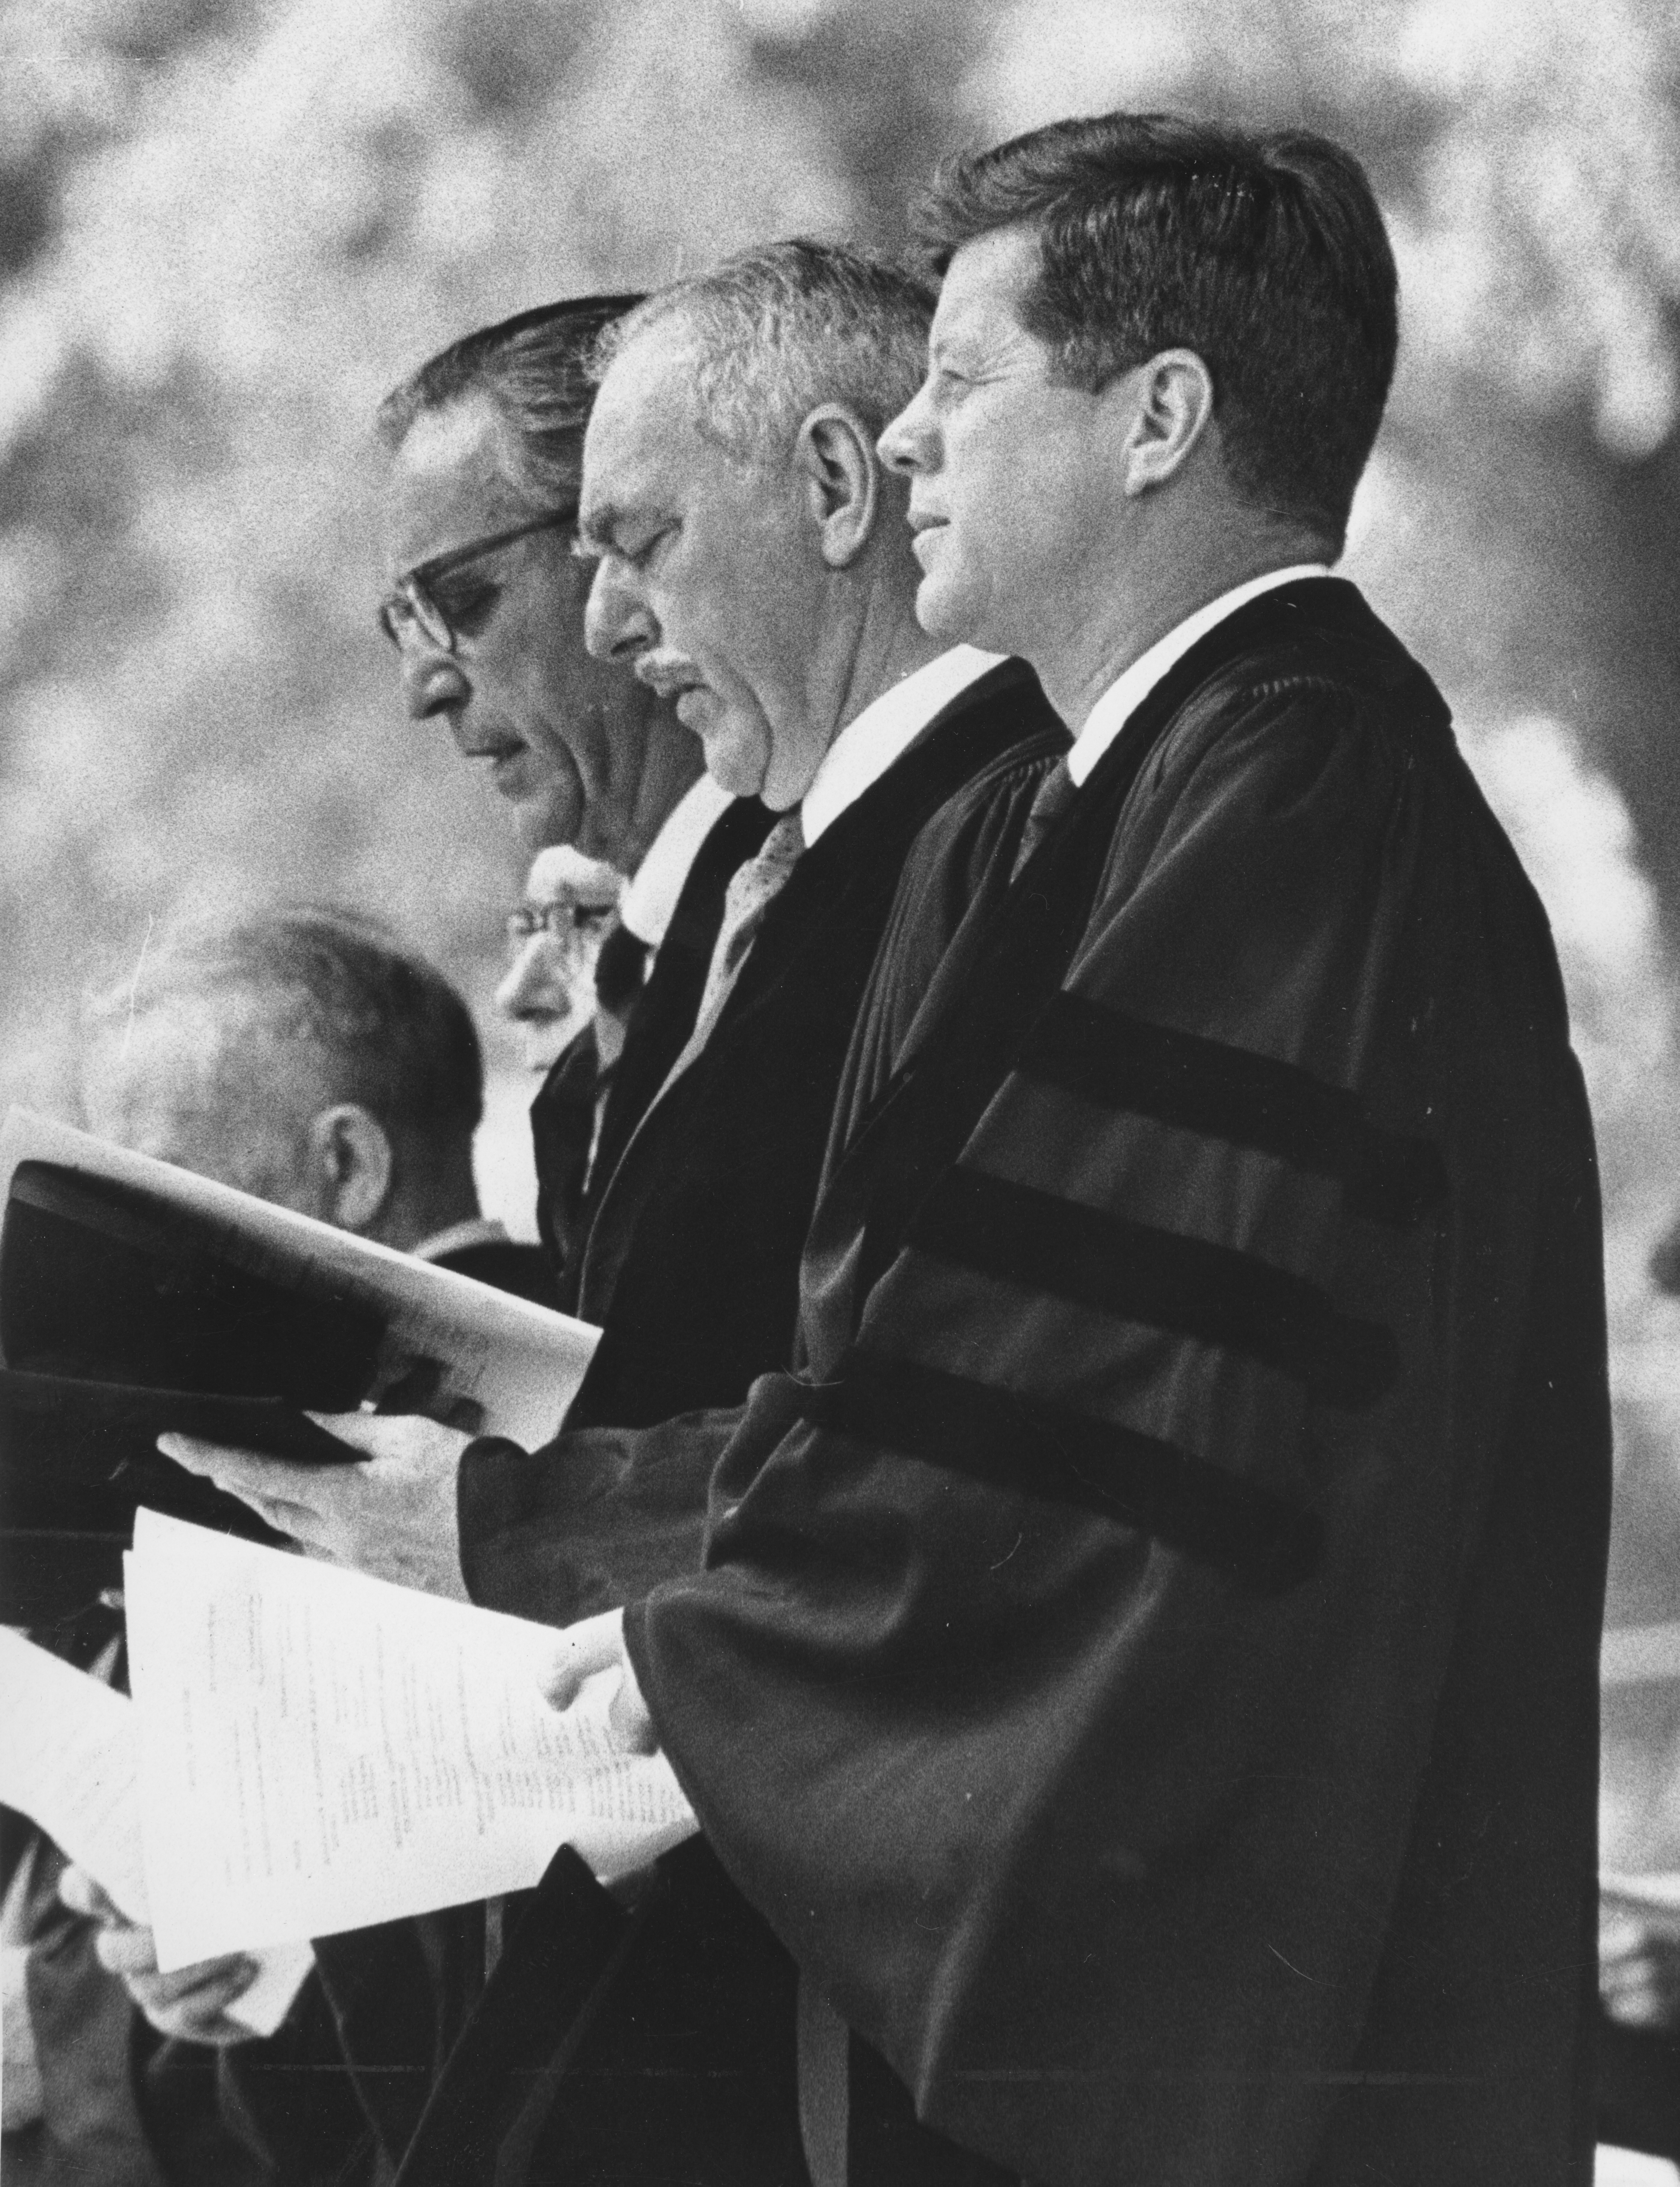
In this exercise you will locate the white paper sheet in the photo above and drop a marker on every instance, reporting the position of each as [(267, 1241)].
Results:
[(320, 1751), (490, 1361), (70, 1761)]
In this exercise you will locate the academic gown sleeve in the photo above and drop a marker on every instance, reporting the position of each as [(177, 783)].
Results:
[(1168, 1703), (602, 1516)]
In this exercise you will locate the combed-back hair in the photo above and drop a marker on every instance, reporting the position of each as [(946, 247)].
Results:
[(1265, 254), (533, 368), (777, 330), (386, 1027)]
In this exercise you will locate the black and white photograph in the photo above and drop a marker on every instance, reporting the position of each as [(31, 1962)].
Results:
[(840, 1093)]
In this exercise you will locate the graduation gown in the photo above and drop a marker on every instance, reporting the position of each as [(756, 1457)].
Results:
[(679, 2066), (693, 1259), (1145, 1668)]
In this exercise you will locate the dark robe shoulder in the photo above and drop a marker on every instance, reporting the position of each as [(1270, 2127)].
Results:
[(692, 1263), (692, 1266), (1146, 1669)]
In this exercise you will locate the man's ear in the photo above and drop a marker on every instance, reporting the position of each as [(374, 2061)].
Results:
[(351, 1156), (1173, 396), (840, 474)]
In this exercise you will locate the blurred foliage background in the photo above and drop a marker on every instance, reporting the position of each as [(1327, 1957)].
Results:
[(226, 226)]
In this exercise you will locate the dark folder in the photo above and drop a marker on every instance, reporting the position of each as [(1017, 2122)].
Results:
[(120, 1317)]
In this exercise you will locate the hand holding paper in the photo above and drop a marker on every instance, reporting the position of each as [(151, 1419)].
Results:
[(594, 1644), (196, 2005), (322, 1751), (70, 1761), (394, 1517)]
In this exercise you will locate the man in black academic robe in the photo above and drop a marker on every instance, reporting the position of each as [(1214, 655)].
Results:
[(1144, 1665)]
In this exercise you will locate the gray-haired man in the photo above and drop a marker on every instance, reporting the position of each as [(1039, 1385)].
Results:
[(754, 567)]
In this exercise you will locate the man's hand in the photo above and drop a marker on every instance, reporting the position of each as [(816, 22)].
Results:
[(191, 2004), (597, 1643), (393, 1516)]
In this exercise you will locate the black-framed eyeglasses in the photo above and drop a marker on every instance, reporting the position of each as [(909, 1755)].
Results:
[(413, 606), (561, 920)]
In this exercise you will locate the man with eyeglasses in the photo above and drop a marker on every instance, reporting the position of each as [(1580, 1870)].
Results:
[(485, 606), (554, 938), (485, 611), (575, 974)]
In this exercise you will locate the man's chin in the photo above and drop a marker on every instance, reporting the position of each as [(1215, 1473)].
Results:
[(735, 763), (943, 612), (544, 825)]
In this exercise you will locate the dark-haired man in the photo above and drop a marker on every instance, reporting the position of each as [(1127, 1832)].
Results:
[(1145, 1668), (485, 606), (485, 610)]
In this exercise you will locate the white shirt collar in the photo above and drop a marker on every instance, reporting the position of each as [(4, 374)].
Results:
[(1129, 689), (476, 1230), (868, 746), (650, 897)]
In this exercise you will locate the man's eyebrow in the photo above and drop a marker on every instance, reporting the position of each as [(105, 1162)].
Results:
[(596, 526), (958, 333)]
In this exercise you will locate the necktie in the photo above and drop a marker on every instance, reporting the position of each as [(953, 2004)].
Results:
[(750, 895), (1055, 794)]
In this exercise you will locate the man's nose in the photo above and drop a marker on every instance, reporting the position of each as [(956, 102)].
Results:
[(431, 681), (905, 445), (531, 986), (617, 624)]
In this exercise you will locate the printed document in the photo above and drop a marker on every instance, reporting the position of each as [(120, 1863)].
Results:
[(320, 1751), (70, 1761)]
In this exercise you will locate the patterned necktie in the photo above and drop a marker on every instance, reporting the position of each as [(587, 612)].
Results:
[(754, 888), (1055, 794)]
